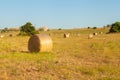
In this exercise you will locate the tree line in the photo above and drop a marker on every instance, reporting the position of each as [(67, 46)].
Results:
[(29, 29)]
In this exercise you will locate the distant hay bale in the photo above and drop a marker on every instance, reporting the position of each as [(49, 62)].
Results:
[(44, 29), (1, 36), (66, 35), (10, 35), (95, 34), (40, 43), (90, 36), (78, 34), (100, 32)]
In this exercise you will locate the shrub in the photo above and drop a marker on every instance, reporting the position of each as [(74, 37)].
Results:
[(60, 29), (115, 27), (94, 27), (88, 27), (4, 30), (27, 29)]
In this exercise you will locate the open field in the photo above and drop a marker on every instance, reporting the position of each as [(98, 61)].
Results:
[(73, 58)]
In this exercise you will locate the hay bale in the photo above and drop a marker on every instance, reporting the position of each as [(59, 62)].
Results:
[(1, 36), (44, 29), (78, 34), (10, 35), (100, 32), (95, 34), (90, 36), (40, 43), (66, 35)]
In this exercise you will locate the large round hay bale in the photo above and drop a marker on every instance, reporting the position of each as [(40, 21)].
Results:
[(67, 35), (40, 43)]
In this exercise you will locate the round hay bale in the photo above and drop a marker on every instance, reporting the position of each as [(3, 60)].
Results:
[(100, 32), (90, 36), (95, 34), (1, 36), (10, 35), (67, 35), (78, 34), (40, 43)]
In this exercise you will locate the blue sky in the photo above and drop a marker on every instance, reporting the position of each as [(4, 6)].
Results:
[(59, 13)]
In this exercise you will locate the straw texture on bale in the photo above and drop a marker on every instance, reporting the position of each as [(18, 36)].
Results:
[(66, 35), (40, 43)]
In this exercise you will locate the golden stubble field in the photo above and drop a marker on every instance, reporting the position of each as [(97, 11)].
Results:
[(73, 58)]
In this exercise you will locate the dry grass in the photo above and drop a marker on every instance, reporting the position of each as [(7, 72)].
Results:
[(74, 58)]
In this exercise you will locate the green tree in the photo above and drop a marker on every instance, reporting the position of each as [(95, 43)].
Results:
[(27, 29), (88, 27), (94, 27), (4, 30), (108, 26), (115, 27)]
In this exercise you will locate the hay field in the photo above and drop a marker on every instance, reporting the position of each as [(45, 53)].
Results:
[(73, 58)]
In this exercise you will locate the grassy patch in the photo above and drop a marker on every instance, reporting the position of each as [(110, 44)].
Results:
[(86, 71), (28, 56), (72, 58)]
